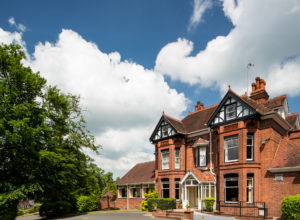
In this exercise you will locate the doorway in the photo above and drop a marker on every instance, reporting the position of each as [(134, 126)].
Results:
[(193, 196)]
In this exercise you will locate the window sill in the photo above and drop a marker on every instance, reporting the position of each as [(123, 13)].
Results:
[(231, 161)]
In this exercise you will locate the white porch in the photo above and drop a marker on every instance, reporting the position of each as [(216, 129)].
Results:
[(194, 191)]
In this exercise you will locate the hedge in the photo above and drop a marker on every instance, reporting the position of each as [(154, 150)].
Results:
[(290, 207), (161, 203), (144, 203), (87, 203), (55, 209), (209, 203)]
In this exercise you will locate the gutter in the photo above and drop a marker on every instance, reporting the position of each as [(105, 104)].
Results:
[(284, 169), (210, 156)]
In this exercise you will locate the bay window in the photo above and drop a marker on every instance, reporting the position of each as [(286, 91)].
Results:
[(250, 187), (165, 159), (177, 158), (231, 188), (165, 188), (177, 189), (250, 147), (231, 148)]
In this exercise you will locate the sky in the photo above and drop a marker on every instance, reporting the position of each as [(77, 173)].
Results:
[(131, 60)]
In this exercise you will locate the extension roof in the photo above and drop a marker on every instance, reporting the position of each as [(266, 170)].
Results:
[(287, 155), (140, 173)]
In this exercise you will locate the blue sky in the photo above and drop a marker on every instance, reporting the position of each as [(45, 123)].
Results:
[(130, 60)]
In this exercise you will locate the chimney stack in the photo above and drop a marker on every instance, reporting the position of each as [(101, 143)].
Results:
[(199, 106), (259, 92)]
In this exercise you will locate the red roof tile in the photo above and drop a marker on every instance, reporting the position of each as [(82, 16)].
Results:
[(140, 173), (287, 155), (292, 119)]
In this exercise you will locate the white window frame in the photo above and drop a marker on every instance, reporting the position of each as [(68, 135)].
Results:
[(226, 148), (250, 146), (177, 158), (203, 157), (165, 159)]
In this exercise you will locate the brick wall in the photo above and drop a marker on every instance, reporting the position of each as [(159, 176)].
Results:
[(133, 203), (279, 190)]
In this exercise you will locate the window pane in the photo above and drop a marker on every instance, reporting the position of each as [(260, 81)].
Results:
[(230, 111), (202, 155), (177, 158), (231, 148), (233, 154), (165, 159), (232, 194), (250, 147), (231, 188)]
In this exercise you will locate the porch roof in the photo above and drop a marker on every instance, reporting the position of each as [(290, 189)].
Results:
[(204, 177)]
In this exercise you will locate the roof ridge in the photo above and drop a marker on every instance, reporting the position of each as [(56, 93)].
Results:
[(291, 114), (173, 118), (205, 108)]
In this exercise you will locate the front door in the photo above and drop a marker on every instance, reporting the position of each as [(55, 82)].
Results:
[(192, 196)]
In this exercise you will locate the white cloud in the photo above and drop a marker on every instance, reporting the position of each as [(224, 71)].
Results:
[(199, 8), (264, 34), (20, 27), (122, 100)]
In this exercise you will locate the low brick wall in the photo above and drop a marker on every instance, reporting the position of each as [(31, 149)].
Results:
[(174, 214), (133, 203)]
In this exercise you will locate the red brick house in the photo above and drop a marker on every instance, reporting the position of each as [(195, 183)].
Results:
[(243, 149)]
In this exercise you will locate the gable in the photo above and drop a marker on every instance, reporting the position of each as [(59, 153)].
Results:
[(231, 108), (163, 130)]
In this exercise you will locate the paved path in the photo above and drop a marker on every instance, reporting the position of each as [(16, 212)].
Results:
[(112, 215), (202, 216)]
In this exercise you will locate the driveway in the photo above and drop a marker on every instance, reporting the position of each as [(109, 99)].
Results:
[(112, 215)]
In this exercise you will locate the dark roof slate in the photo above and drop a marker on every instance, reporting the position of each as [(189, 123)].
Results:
[(292, 119), (275, 102), (177, 124), (140, 173), (197, 120)]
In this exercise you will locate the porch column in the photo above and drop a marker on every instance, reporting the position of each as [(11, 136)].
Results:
[(199, 200), (215, 192), (185, 196), (201, 208)]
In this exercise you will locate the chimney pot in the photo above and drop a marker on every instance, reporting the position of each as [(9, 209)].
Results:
[(253, 87), (257, 79)]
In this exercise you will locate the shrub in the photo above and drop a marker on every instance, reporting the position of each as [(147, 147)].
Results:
[(209, 203), (144, 204), (290, 207), (55, 209), (162, 204), (8, 208), (36, 208), (20, 212), (87, 203)]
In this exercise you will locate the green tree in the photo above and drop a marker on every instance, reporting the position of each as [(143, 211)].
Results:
[(42, 133)]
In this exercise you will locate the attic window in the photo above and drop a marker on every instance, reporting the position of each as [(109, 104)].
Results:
[(232, 109), (164, 130)]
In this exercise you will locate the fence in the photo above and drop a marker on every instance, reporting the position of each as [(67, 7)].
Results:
[(255, 209)]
